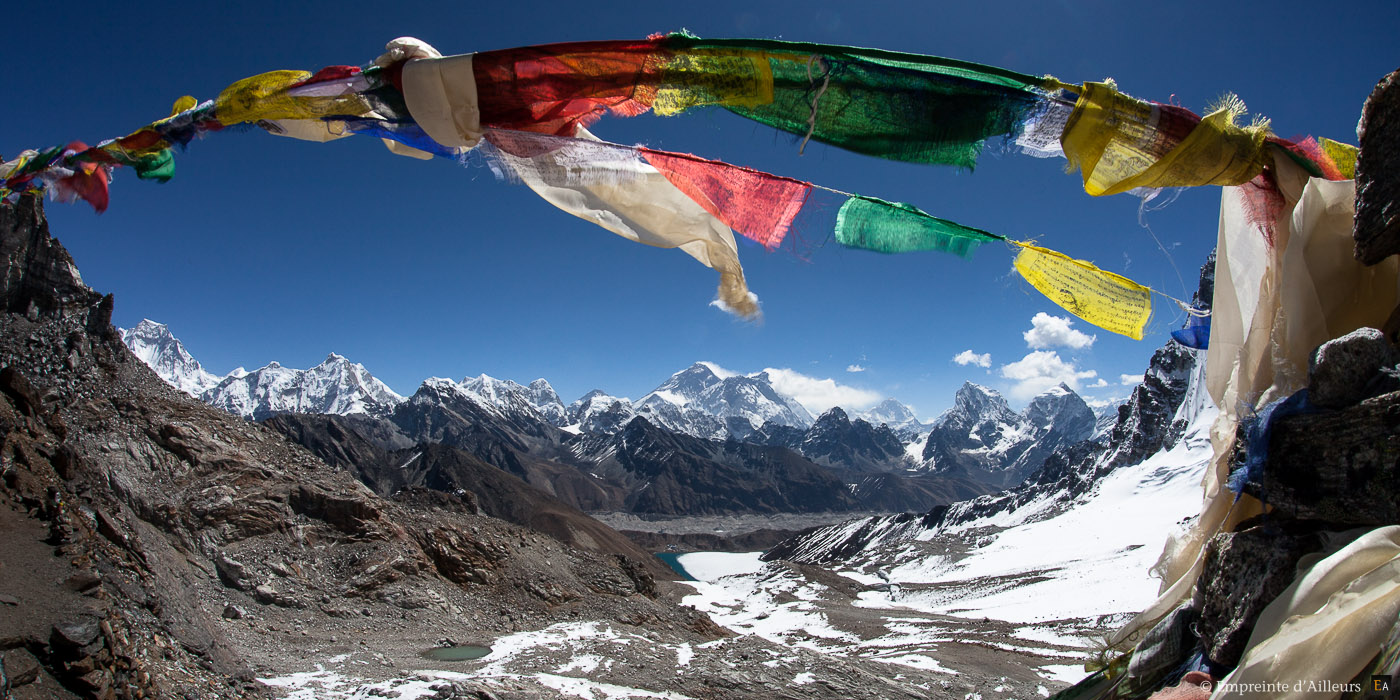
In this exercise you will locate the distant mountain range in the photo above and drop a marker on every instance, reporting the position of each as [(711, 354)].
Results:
[(704, 441)]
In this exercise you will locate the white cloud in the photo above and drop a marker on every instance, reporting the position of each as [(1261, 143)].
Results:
[(854, 368), (1054, 331), (1101, 383), (1130, 379), (720, 372), (1041, 370), (968, 357), (819, 395)]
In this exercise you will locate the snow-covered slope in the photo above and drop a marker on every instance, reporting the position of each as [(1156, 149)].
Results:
[(336, 386), (163, 352)]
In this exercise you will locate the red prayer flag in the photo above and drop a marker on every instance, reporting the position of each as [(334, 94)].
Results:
[(758, 205)]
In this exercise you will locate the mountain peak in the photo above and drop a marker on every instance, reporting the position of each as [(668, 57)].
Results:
[(715, 369), (154, 344), (336, 386), (976, 400), (148, 327)]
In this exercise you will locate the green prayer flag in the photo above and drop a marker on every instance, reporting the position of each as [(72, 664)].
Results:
[(891, 227), (158, 166), (904, 107)]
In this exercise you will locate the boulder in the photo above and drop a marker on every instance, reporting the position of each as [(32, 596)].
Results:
[(1342, 467), (1344, 370), (1243, 572)]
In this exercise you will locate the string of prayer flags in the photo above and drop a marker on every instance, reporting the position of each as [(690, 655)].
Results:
[(524, 110), (1111, 302)]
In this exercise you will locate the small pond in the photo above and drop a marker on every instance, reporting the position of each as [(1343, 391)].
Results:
[(672, 560), (460, 653)]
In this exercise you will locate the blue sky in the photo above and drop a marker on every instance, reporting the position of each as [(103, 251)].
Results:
[(265, 248)]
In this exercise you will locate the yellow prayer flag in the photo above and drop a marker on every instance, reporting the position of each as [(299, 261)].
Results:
[(1342, 154), (698, 77), (264, 97), (183, 104), (1115, 142), (1111, 302)]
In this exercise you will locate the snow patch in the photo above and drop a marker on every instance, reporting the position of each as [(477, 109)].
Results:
[(709, 566)]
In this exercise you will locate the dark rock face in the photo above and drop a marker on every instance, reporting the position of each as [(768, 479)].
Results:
[(456, 476), (837, 441), (1243, 572), (1377, 227), (1057, 420), (669, 473), (775, 434), (40, 280), (1341, 466), (1344, 370), (976, 438)]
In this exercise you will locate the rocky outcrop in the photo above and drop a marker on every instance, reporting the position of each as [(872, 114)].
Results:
[(1377, 225), (1244, 571), (40, 281), (477, 486)]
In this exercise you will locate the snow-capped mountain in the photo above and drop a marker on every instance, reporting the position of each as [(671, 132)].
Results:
[(546, 400), (163, 352), (599, 412), (337, 386), (898, 416), (703, 401), (981, 438), (538, 400)]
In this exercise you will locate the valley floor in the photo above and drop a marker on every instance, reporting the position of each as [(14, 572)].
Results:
[(1005, 607)]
